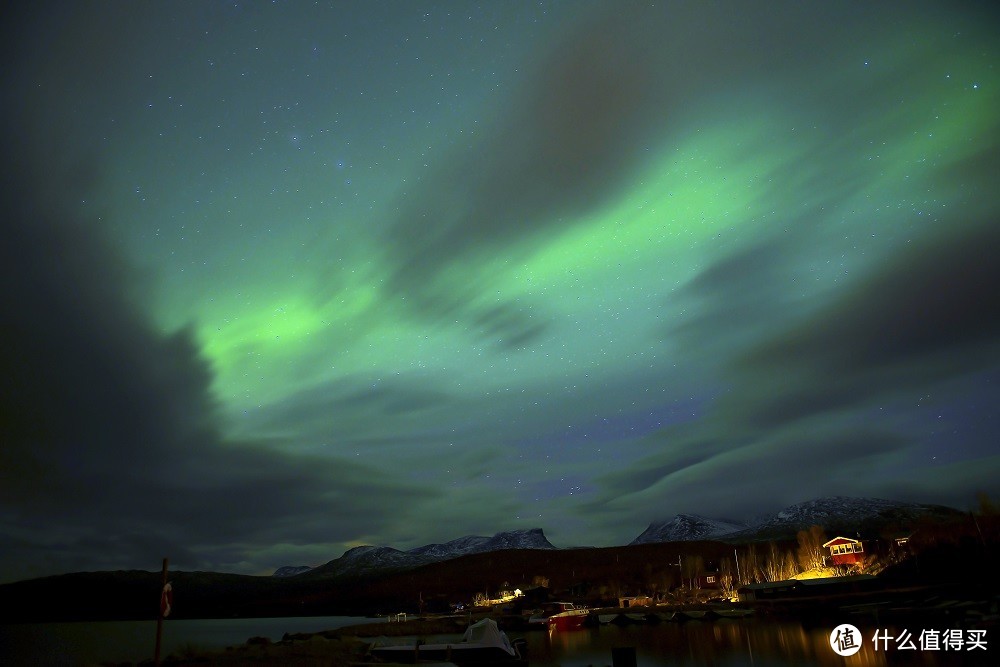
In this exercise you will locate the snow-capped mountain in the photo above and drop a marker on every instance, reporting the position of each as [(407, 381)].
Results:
[(687, 527), (463, 545), (290, 570), (842, 514), (367, 559), (837, 514), (532, 538)]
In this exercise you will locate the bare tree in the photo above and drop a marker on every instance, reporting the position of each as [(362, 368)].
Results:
[(692, 567), (771, 567), (727, 577), (750, 567), (791, 568), (810, 552), (778, 564)]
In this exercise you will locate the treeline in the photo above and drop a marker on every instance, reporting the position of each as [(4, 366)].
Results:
[(696, 577)]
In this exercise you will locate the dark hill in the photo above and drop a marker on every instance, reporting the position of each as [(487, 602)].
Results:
[(591, 574), (588, 573)]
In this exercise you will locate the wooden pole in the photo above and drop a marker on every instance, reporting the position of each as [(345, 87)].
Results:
[(159, 615), (623, 656)]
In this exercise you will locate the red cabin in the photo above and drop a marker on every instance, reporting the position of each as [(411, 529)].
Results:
[(845, 551)]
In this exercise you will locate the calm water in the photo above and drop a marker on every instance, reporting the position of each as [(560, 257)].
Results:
[(75, 644), (727, 643), (722, 643)]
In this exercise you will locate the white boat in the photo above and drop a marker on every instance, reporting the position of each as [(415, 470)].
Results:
[(734, 612), (484, 643), (560, 615)]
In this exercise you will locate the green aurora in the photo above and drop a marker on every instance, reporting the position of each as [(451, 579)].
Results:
[(428, 269)]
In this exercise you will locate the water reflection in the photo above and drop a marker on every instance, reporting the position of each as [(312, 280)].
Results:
[(91, 643), (757, 642)]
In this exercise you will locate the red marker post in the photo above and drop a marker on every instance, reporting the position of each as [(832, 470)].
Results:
[(166, 600)]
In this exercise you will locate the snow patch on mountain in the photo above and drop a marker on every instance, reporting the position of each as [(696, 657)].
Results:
[(532, 538), (290, 570), (834, 514), (367, 558), (469, 544), (688, 527), (840, 513)]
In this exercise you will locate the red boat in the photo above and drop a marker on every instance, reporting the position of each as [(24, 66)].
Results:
[(560, 615)]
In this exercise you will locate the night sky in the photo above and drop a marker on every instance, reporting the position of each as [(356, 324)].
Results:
[(280, 279)]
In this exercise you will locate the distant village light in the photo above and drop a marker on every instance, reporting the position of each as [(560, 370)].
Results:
[(503, 596)]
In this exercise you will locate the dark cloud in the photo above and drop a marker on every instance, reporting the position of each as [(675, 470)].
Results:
[(509, 326), (564, 144), (111, 448), (806, 397), (373, 396), (356, 412), (575, 132), (590, 111), (738, 297), (928, 314), (652, 470), (766, 471), (936, 297)]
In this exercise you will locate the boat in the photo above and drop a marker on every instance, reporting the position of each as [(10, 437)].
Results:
[(630, 619), (560, 616), (732, 612), (667, 615), (483, 644)]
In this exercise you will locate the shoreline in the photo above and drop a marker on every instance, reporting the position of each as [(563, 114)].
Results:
[(348, 646), (338, 647)]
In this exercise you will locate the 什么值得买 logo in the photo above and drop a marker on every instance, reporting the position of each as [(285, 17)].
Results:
[(845, 639)]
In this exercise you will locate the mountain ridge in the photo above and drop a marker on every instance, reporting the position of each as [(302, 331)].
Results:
[(368, 559), (384, 579), (835, 513), (686, 527)]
